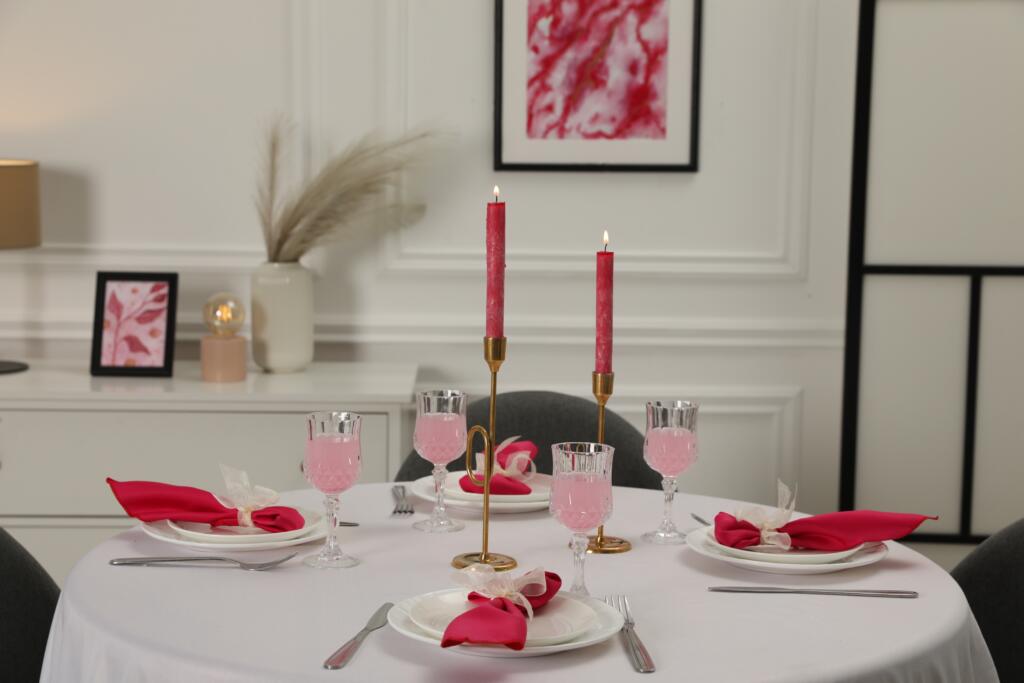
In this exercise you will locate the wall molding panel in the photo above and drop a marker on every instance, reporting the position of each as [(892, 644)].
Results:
[(786, 261)]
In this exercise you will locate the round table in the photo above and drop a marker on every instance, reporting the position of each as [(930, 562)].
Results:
[(219, 624)]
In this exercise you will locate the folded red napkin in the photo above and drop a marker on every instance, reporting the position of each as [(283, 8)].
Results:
[(152, 501), (830, 531), (502, 484), (497, 620)]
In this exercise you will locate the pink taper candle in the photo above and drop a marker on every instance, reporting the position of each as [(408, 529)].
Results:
[(495, 267), (605, 277)]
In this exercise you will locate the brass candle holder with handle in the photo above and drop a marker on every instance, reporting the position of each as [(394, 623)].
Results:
[(494, 354), (603, 384)]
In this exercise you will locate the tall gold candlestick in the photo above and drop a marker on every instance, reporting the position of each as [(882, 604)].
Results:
[(494, 354), (603, 383)]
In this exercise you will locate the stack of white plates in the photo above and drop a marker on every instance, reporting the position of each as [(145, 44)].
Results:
[(567, 622), (455, 497), (204, 537), (785, 562)]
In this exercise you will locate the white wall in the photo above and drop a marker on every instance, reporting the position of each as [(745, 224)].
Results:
[(146, 117)]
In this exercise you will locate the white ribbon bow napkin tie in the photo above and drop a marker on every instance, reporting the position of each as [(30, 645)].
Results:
[(242, 494), (768, 520), (482, 579)]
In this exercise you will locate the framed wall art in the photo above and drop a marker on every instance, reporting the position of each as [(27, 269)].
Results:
[(597, 85), (133, 325)]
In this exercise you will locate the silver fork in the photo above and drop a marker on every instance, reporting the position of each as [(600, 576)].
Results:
[(642, 661), (402, 504), (191, 559)]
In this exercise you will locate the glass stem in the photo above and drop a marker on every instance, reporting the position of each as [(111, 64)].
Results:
[(331, 503), (440, 475), (579, 555), (669, 485)]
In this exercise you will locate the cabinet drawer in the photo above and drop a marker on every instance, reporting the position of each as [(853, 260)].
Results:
[(55, 462)]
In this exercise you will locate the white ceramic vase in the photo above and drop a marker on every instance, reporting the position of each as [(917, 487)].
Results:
[(282, 317)]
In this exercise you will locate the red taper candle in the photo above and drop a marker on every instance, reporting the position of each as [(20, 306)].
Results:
[(495, 267), (605, 278)]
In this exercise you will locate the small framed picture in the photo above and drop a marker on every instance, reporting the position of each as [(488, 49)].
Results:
[(133, 328), (597, 86)]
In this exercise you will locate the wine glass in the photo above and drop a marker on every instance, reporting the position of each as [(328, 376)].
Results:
[(669, 448), (332, 465), (581, 495), (439, 438)]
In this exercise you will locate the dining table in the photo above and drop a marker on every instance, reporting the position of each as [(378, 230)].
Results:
[(213, 623)]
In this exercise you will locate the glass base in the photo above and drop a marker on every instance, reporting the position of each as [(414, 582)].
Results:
[(665, 537), (438, 526), (323, 560)]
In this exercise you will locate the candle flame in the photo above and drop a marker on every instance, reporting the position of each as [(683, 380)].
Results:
[(497, 192), (605, 239)]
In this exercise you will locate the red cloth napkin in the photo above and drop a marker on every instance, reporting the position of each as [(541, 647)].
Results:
[(152, 501), (497, 620), (830, 531), (502, 484)]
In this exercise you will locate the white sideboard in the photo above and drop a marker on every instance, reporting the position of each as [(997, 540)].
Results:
[(62, 432)]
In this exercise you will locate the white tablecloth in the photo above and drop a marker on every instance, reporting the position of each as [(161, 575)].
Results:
[(212, 624)]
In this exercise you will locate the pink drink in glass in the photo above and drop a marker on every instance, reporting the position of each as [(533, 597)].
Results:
[(440, 437), (332, 462), (670, 450), (581, 501)]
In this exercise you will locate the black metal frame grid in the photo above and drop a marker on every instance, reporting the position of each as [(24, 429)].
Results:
[(857, 270)]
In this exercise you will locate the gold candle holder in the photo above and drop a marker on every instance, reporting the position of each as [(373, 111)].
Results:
[(494, 354), (603, 383)]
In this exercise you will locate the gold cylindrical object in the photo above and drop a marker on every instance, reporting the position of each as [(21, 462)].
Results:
[(603, 383), (19, 204), (494, 355)]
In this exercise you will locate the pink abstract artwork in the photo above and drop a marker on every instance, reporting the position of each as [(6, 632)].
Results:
[(134, 324), (597, 69)]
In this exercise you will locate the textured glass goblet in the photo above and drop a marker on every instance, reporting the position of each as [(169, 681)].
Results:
[(670, 447), (581, 496), (332, 465), (439, 438)]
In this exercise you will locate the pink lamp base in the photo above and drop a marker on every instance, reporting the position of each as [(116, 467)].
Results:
[(222, 359)]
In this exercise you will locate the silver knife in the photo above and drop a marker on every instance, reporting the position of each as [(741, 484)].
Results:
[(344, 653), (865, 593)]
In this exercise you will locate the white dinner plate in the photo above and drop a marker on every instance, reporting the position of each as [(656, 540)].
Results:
[(782, 556), (564, 618), (162, 531), (608, 623), (697, 540), (232, 535), (424, 490), (539, 483)]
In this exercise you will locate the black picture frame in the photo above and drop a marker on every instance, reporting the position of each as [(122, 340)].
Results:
[(690, 166), (166, 369)]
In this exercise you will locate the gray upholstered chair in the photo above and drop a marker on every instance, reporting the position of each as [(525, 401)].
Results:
[(992, 578), (28, 597), (546, 417)]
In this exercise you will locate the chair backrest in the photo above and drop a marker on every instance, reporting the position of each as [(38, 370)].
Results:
[(992, 578), (547, 417), (28, 597)]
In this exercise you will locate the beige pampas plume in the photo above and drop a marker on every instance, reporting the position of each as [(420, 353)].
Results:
[(345, 191)]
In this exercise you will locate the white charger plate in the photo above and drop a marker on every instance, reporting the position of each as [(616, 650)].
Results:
[(234, 535), (424, 490), (871, 553), (564, 618), (539, 483), (794, 556), (162, 531), (609, 622)]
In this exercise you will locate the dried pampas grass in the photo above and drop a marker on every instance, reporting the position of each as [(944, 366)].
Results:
[(342, 194)]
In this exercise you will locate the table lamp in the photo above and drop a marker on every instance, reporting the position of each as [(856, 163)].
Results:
[(222, 354), (19, 217)]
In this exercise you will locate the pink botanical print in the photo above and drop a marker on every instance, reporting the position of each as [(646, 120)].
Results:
[(134, 324), (597, 69)]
